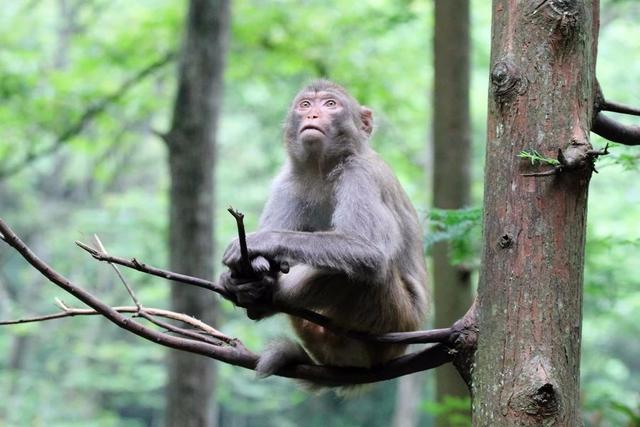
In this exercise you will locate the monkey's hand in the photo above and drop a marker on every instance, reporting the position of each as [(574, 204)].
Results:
[(255, 293), (262, 247), (259, 244)]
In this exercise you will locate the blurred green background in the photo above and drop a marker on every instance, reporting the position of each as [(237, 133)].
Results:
[(111, 178)]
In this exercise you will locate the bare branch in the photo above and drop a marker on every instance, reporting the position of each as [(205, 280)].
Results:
[(615, 131), (154, 271), (87, 116), (424, 337), (615, 107), (609, 128), (72, 312), (237, 355), (178, 330), (555, 171)]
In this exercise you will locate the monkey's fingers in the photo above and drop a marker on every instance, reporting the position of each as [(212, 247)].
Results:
[(231, 255), (260, 264)]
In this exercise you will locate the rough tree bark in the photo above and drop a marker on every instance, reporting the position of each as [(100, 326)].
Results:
[(451, 172), (530, 291), (191, 145)]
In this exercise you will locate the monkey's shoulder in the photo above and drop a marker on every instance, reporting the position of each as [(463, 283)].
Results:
[(370, 166), (371, 174)]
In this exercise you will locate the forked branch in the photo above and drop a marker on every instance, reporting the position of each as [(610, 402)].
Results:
[(211, 343), (424, 337), (609, 128)]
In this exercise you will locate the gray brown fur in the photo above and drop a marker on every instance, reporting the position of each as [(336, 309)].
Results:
[(340, 218)]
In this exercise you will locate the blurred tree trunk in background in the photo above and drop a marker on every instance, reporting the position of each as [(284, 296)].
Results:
[(191, 145), (451, 172), (541, 97), (406, 411)]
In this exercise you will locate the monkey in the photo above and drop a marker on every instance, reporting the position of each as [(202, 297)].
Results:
[(338, 216)]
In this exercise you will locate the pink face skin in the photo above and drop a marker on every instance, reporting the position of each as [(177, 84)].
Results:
[(316, 112)]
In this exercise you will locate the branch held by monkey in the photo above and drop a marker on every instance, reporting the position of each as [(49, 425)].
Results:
[(215, 344)]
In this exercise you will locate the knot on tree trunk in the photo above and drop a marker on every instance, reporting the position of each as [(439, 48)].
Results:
[(562, 18), (542, 403), (535, 393), (507, 81)]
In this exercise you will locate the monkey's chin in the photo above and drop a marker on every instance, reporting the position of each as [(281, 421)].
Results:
[(311, 134), (312, 140)]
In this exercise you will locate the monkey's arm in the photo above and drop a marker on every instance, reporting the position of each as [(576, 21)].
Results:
[(365, 234)]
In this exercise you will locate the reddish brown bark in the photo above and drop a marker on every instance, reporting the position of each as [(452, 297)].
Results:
[(530, 291)]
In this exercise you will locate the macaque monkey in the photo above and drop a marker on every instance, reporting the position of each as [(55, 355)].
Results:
[(339, 217)]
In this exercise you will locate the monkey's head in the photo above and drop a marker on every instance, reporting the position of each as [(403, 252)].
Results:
[(325, 123)]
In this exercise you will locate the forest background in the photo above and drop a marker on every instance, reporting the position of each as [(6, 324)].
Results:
[(86, 85)]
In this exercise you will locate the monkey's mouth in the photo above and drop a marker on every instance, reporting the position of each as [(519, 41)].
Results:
[(311, 127)]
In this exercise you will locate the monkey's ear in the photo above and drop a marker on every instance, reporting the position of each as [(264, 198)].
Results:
[(366, 115)]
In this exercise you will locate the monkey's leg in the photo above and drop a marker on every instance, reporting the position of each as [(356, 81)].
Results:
[(281, 353)]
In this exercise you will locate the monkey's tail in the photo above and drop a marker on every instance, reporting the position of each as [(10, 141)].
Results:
[(285, 352)]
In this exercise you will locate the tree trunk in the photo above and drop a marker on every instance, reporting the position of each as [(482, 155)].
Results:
[(406, 411), (530, 291), (191, 144), (451, 172)]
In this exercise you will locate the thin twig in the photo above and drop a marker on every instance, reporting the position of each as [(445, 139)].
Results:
[(178, 330), (120, 275), (555, 171), (144, 268), (72, 312)]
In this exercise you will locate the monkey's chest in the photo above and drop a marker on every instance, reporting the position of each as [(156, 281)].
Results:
[(316, 216)]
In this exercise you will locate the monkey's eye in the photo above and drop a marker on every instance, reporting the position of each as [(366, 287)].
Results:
[(331, 103), (305, 104)]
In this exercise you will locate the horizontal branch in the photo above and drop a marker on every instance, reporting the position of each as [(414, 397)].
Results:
[(145, 312), (415, 337), (237, 355), (134, 264), (615, 131), (609, 128), (616, 107)]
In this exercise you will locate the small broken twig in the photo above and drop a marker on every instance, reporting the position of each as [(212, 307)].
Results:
[(247, 270)]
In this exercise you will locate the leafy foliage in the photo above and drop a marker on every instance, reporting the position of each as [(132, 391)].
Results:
[(452, 408), (461, 228), (536, 158)]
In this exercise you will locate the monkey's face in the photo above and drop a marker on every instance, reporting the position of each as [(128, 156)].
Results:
[(323, 124), (318, 115)]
